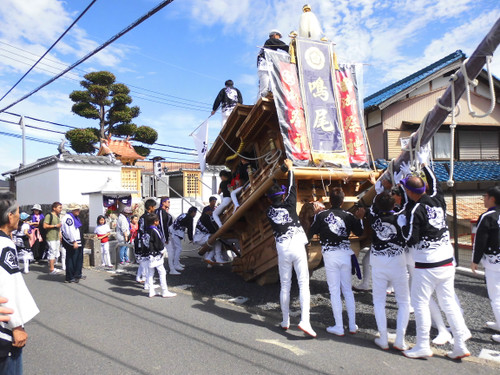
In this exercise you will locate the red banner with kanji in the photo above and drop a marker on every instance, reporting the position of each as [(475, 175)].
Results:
[(352, 120)]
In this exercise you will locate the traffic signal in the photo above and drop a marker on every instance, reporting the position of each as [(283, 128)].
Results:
[(157, 169)]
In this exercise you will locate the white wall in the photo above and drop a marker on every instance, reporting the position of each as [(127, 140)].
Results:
[(63, 182)]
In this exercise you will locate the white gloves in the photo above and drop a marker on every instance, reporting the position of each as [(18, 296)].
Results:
[(405, 167), (401, 220), (398, 177), (379, 188), (423, 156)]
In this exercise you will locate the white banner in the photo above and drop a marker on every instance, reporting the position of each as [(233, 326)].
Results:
[(200, 138)]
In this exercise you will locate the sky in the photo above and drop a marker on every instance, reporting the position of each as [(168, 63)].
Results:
[(176, 62)]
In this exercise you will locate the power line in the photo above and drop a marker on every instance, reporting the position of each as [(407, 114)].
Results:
[(86, 72), (30, 138), (50, 48), (101, 47)]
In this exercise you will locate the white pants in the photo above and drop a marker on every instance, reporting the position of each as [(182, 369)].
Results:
[(425, 282), (493, 285), (338, 276), (220, 209), (292, 255), (105, 257), (53, 249), (381, 277), (234, 197), (225, 115), (175, 247), (264, 82), (142, 270), (162, 273)]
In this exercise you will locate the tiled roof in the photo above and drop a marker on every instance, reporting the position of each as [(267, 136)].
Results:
[(469, 171), (64, 158), (388, 92), (123, 149)]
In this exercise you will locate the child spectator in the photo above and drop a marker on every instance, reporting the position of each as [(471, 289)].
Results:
[(134, 227), (103, 231), (154, 249)]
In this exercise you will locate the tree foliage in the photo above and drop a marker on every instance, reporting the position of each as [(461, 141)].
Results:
[(110, 103)]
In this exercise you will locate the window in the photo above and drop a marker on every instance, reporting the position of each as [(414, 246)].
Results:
[(441, 146), (479, 145)]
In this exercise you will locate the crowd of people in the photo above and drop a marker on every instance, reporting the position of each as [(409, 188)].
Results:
[(410, 251)]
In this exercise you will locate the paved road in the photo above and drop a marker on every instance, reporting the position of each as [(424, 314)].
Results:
[(107, 325)]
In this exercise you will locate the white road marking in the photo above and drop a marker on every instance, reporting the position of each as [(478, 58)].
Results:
[(295, 350), (491, 355)]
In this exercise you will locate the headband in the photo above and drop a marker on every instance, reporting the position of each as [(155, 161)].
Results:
[(164, 199), (283, 191), (415, 190)]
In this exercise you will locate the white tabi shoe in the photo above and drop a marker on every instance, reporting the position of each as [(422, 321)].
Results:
[(458, 353), (417, 352), (285, 324), (307, 329), (174, 272), (399, 343), (353, 329), (168, 294), (180, 269), (493, 325), (495, 338), (382, 341), (335, 330), (442, 338)]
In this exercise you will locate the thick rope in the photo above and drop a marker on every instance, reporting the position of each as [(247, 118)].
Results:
[(474, 83)]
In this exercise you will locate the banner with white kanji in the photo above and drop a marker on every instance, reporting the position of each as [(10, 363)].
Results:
[(317, 84)]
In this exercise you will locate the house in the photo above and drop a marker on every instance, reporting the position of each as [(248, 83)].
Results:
[(396, 111), (64, 177)]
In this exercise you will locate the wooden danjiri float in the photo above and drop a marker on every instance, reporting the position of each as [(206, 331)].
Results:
[(312, 116)]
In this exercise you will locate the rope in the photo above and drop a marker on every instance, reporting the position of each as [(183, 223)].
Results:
[(474, 83), (453, 124), (269, 157)]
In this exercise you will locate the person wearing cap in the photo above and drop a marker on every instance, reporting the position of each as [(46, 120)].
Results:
[(52, 225), (122, 234), (71, 241), (36, 240), (227, 99), (486, 250), (16, 299), (274, 43), (290, 245), (427, 235)]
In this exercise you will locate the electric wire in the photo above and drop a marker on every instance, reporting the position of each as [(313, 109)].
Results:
[(95, 51), (50, 48)]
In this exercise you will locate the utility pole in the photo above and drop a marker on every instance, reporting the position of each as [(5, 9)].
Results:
[(23, 131)]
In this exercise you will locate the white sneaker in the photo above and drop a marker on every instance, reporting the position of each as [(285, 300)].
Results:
[(458, 353), (335, 330), (174, 272), (417, 352), (493, 325), (168, 294), (306, 328), (382, 343), (177, 268), (442, 338), (495, 338), (54, 272)]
